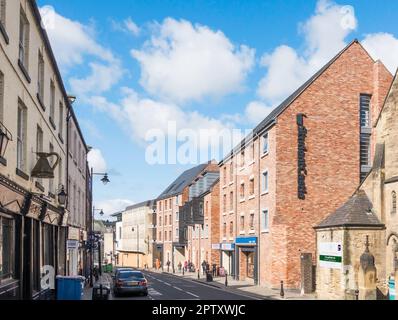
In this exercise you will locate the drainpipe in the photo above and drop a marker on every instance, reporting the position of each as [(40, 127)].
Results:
[(257, 279)]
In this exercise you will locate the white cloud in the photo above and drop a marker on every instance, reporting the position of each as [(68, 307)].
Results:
[(257, 111), (96, 161), (383, 46), (101, 78), (131, 26), (139, 115), (184, 62), (71, 40), (325, 33), (112, 206)]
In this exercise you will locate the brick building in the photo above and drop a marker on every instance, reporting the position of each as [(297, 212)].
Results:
[(369, 220), (170, 239), (301, 163), (201, 218)]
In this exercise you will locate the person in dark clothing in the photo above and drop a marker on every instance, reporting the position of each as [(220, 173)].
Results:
[(214, 270), (204, 267)]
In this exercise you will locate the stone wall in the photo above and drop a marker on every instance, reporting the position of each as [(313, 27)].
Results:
[(340, 284)]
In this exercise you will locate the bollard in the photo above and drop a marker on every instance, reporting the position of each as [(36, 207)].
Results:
[(198, 274), (226, 279), (282, 293), (357, 294)]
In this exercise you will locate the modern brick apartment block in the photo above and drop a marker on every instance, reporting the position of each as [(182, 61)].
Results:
[(203, 230), (302, 162), (171, 242)]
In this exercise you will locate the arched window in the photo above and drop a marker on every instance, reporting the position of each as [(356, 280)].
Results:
[(393, 202)]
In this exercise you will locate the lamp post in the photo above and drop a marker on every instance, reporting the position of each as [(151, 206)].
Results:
[(105, 180), (138, 244)]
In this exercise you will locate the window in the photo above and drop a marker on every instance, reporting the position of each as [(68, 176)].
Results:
[(251, 187), (365, 110), (252, 221), (160, 236), (225, 202), (366, 131), (265, 181), (3, 12), (160, 221), (52, 100), (264, 220), (51, 181), (165, 236), (224, 230), (231, 172), (177, 216), (1, 96), (231, 229), (21, 137), (207, 208), (242, 223), (165, 220), (242, 158), (120, 232), (201, 213), (170, 221), (242, 191), (231, 201), (265, 143), (47, 244), (170, 236), (61, 119), (393, 202), (206, 231), (225, 175), (7, 253), (40, 78), (170, 203), (365, 149), (39, 146), (160, 206), (23, 40), (176, 233)]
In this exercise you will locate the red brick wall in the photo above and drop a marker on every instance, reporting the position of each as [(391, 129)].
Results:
[(331, 104)]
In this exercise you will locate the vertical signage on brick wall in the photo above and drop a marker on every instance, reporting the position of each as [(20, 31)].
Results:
[(302, 166)]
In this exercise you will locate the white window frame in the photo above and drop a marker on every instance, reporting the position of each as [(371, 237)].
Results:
[(21, 136), (263, 228), (265, 138), (263, 189)]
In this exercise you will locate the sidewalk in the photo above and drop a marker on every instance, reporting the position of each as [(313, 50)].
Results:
[(105, 279), (243, 287)]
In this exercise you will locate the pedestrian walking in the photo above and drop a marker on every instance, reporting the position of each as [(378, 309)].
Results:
[(204, 267), (179, 266), (168, 265)]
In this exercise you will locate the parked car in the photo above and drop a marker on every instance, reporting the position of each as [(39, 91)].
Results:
[(130, 281)]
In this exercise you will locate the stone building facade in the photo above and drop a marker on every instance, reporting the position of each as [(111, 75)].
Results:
[(33, 117), (301, 163), (137, 235)]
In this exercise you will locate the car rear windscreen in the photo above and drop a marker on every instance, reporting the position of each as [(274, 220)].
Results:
[(128, 275)]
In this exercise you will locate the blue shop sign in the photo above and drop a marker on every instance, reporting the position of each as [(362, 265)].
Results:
[(246, 241)]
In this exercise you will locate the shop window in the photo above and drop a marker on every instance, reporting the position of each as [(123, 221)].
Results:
[(7, 254)]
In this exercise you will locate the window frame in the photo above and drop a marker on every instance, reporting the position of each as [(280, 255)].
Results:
[(264, 174), (265, 214)]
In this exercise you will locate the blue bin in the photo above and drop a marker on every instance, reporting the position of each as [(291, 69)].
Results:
[(70, 288)]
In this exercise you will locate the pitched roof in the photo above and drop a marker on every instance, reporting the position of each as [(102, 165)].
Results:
[(356, 212), (148, 203), (182, 181), (271, 118)]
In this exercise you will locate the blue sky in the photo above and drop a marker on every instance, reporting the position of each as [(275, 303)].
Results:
[(136, 65)]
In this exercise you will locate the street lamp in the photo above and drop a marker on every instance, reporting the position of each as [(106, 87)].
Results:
[(138, 244), (62, 196), (105, 180)]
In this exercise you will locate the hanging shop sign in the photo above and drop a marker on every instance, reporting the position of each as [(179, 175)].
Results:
[(302, 165), (331, 255)]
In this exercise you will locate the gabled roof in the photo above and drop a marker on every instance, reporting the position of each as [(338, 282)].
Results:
[(356, 212), (182, 181), (271, 118)]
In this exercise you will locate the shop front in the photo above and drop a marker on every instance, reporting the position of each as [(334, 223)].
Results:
[(246, 259), (227, 261), (28, 263)]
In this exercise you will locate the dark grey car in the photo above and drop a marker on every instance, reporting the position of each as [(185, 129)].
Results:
[(129, 281)]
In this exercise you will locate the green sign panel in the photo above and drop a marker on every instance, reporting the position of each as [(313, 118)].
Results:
[(330, 258)]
